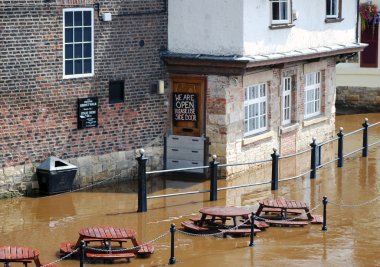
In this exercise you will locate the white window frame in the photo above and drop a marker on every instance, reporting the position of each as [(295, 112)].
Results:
[(286, 100), (255, 109), (312, 104), (83, 42), (283, 10), (332, 12)]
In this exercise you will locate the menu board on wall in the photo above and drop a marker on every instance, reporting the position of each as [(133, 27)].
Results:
[(87, 112), (185, 107)]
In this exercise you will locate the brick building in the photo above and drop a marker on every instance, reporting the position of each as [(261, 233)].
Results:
[(56, 53), (80, 81)]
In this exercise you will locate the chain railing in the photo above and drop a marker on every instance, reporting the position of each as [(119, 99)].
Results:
[(315, 164)]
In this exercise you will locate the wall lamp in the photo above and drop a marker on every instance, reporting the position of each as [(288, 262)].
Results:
[(104, 16), (158, 87)]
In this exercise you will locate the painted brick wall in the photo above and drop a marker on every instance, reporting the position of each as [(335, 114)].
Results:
[(38, 109)]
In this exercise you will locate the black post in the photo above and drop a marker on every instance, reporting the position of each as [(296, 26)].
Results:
[(324, 201), (81, 253), (275, 157), (251, 244), (365, 138), (214, 179), (340, 147), (313, 161), (142, 200), (172, 259)]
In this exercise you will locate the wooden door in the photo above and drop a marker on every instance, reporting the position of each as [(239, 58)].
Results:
[(369, 35), (188, 105)]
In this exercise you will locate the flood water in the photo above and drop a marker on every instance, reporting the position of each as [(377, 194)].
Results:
[(353, 220)]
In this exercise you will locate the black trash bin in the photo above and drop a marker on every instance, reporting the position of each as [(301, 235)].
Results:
[(55, 176)]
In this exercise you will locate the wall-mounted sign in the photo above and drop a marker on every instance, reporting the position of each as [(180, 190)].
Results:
[(185, 107), (87, 112)]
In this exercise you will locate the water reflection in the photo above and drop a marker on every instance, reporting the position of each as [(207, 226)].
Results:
[(351, 238)]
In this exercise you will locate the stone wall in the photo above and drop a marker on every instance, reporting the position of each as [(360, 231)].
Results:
[(225, 120), (351, 99), (38, 108)]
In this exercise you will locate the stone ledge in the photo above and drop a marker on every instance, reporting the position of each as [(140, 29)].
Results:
[(312, 121), (256, 138), (289, 128)]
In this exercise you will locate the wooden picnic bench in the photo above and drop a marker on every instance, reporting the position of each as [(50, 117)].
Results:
[(20, 254), (106, 236)]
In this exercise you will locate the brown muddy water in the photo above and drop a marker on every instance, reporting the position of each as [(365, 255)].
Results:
[(353, 216)]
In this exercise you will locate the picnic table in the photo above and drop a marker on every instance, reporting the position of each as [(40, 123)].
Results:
[(106, 237), (215, 219), (284, 207), (20, 254)]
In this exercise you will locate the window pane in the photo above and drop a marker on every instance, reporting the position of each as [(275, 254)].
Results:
[(284, 10), (86, 50), (69, 35), (275, 11), (68, 19), (87, 34), (87, 66), (78, 51), (78, 35), (69, 51), (87, 18), (78, 69), (69, 67), (78, 18)]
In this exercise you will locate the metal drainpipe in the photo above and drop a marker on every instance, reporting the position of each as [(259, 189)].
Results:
[(357, 21)]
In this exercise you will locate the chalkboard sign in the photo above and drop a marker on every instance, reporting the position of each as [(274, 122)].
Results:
[(87, 112), (185, 107)]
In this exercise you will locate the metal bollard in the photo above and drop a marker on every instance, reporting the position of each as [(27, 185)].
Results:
[(340, 147), (275, 157), (214, 179), (324, 201), (365, 138), (251, 244), (172, 259), (142, 200), (81, 253), (313, 161)]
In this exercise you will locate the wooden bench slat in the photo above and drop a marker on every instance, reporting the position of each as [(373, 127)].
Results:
[(286, 223), (67, 247), (189, 225), (110, 255), (317, 219)]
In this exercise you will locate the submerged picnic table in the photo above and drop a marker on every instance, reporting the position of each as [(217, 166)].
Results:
[(20, 254), (284, 207), (214, 219), (106, 236)]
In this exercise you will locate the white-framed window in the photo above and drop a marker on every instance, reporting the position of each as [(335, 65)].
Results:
[(280, 11), (286, 100), (78, 42), (332, 8), (255, 109), (312, 94)]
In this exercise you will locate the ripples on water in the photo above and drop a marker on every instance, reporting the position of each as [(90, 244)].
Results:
[(352, 238)]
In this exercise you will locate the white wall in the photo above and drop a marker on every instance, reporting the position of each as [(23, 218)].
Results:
[(206, 26), (226, 27)]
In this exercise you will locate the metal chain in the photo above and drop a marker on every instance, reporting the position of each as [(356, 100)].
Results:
[(356, 205), (62, 258)]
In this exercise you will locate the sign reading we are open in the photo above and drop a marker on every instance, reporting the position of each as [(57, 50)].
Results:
[(185, 107)]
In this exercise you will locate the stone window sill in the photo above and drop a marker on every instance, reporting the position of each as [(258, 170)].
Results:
[(281, 26), (334, 20), (289, 128), (313, 121), (256, 138)]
